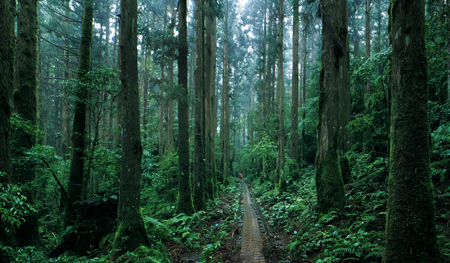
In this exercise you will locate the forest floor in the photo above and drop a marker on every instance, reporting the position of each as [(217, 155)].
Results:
[(248, 237)]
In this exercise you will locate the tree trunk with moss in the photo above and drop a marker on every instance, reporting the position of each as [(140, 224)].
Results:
[(295, 80), (145, 95), (24, 170), (224, 128), (161, 113), (65, 102), (280, 94), (214, 98), (345, 104), (130, 232), (329, 183), (169, 134), (79, 122), (7, 46), (209, 97), (184, 203), (199, 186), (302, 147), (410, 225)]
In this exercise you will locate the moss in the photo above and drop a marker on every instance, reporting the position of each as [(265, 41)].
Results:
[(282, 185), (130, 235), (330, 186), (106, 243), (184, 203)]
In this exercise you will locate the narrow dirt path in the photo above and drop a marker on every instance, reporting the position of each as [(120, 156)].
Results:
[(251, 248)]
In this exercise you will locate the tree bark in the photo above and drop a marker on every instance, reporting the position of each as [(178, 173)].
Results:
[(345, 104), (65, 102), (379, 25), (170, 119), (209, 94), (410, 225), (448, 62), (329, 183), (145, 94), (161, 114), (184, 203), (25, 106), (199, 147), (7, 48), (224, 129), (367, 54), (304, 93), (280, 94), (214, 103), (79, 122), (130, 232), (295, 80)]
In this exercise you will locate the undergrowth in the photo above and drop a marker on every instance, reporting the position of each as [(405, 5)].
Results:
[(354, 234), (204, 233)]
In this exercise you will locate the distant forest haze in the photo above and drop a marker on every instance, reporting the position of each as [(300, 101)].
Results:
[(131, 129)]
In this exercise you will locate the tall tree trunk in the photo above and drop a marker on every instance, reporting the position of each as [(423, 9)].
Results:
[(144, 95), (45, 107), (199, 147), (79, 122), (161, 114), (107, 4), (345, 104), (302, 148), (367, 54), (280, 90), (169, 135), (65, 101), (184, 203), (379, 25), (262, 93), (7, 46), (25, 105), (209, 67), (116, 37), (130, 229), (410, 226), (116, 133), (213, 39), (250, 121), (329, 183), (448, 62), (224, 129), (57, 110), (295, 79)]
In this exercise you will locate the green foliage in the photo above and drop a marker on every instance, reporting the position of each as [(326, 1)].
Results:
[(96, 81), (218, 232), (37, 255), (13, 206), (181, 227), (24, 126), (107, 166), (159, 184), (156, 253), (353, 234), (369, 126)]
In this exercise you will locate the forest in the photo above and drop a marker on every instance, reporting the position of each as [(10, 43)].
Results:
[(225, 131)]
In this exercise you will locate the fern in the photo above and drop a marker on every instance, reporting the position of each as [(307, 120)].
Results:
[(376, 254), (156, 229)]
